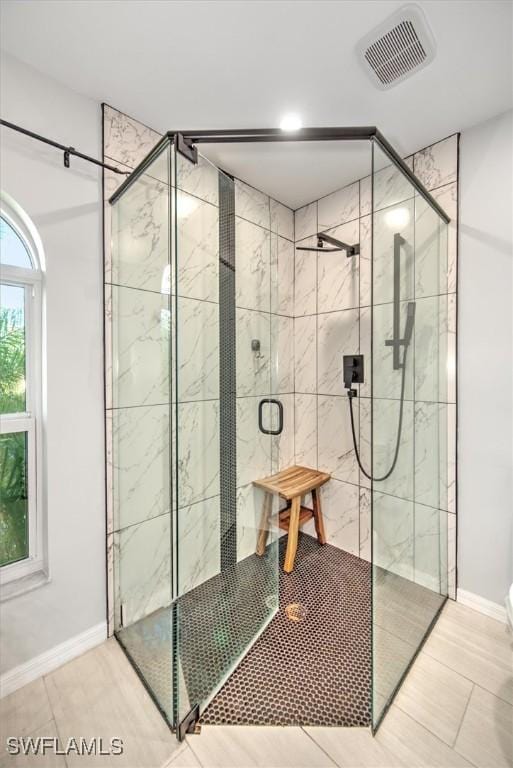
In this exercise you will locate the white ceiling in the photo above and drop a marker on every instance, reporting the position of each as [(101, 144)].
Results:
[(243, 63)]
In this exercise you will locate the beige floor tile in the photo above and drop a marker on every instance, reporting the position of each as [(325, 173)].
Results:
[(48, 759), (486, 735), (476, 646), (436, 697), (99, 695), (413, 745), (184, 758), (353, 747), (242, 746), (25, 710)]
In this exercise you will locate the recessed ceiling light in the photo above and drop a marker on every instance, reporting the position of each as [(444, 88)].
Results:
[(291, 122)]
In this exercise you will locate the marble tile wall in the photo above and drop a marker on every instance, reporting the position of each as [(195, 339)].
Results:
[(332, 317), (143, 320), (323, 306), (264, 257)]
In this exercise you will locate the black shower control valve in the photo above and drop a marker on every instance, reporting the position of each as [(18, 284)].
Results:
[(353, 370)]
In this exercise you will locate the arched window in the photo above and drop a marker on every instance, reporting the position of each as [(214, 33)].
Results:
[(21, 256)]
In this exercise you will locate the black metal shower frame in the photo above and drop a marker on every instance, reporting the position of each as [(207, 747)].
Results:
[(185, 144), (186, 140)]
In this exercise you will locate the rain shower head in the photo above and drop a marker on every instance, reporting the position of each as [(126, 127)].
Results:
[(339, 245)]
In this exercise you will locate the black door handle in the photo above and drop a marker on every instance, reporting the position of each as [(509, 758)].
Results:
[(261, 427)]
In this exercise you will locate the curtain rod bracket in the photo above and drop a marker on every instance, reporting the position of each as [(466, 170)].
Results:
[(67, 153)]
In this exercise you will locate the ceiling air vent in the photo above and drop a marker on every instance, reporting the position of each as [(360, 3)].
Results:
[(398, 48)]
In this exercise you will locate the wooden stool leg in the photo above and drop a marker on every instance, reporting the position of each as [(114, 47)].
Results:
[(263, 532), (290, 554), (318, 520)]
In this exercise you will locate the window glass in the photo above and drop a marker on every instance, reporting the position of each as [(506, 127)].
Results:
[(13, 251), (12, 349), (14, 540)]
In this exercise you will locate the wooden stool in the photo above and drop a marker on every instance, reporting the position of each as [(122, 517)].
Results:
[(292, 484)]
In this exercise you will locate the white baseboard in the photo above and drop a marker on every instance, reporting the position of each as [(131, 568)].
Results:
[(49, 660), (482, 605)]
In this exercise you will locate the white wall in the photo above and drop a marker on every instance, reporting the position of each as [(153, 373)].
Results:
[(65, 206), (485, 508)]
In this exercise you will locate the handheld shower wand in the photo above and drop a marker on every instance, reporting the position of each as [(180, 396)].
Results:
[(353, 368)]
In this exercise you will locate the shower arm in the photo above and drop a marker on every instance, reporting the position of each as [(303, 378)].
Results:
[(351, 250)]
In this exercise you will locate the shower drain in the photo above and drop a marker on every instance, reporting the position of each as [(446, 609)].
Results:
[(295, 612)]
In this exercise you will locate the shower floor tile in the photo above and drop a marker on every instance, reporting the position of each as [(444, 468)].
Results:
[(312, 664)]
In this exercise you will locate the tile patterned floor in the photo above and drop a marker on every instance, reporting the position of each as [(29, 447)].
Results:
[(454, 709), (312, 664)]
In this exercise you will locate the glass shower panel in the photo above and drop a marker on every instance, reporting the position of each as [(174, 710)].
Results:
[(221, 288), (138, 425), (407, 426)]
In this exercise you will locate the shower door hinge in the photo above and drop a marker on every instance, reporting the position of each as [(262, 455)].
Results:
[(189, 724), (186, 148)]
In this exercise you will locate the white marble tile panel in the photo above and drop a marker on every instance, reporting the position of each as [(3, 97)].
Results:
[(253, 264), (253, 367), (254, 449), (199, 543), (335, 444), (387, 223), (431, 337), (282, 220), (437, 164), (340, 508), (337, 335), (365, 261), (366, 196), (250, 501), (305, 414), (197, 249), (283, 445), (252, 205), (393, 534), (385, 415), (430, 250), (282, 276), (198, 451), (111, 181), (140, 464), (389, 185), (427, 547), (305, 280), (305, 221), (125, 139), (338, 274), (305, 354), (282, 354), (451, 458), (140, 347), (200, 180), (141, 235), (430, 454), (339, 207), (447, 196), (387, 381), (451, 555), (365, 524), (143, 568), (197, 357)]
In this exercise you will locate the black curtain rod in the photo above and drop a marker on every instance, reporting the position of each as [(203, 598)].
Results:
[(67, 150)]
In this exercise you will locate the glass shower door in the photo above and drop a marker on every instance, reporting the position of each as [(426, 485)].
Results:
[(222, 384), (406, 421)]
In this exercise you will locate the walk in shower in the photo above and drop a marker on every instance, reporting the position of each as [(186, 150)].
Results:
[(212, 290)]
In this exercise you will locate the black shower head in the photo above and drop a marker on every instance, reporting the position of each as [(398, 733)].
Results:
[(339, 245)]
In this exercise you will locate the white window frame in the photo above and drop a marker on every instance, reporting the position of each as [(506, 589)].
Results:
[(30, 421)]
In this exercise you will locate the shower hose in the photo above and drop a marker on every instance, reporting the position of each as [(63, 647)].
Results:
[(399, 428)]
